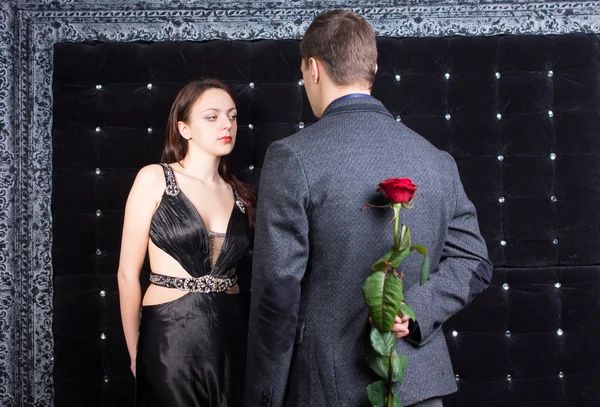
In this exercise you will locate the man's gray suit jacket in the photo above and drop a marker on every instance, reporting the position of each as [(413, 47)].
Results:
[(309, 329)]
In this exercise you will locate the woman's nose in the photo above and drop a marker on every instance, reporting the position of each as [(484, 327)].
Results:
[(226, 123)]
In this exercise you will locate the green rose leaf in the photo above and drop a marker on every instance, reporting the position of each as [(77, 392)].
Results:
[(383, 295), (380, 266), (405, 310), (383, 343), (383, 263), (398, 257), (379, 364), (399, 363), (424, 264), (396, 400), (376, 394), (404, 237)]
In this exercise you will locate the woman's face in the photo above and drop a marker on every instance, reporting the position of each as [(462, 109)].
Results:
[(212, 124)]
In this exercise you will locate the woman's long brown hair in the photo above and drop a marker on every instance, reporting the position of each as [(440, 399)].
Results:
[(176, 147)]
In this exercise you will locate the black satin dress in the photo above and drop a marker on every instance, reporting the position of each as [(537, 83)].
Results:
[(192, 351)]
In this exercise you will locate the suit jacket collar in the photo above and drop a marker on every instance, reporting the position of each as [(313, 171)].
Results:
[(356, 104)]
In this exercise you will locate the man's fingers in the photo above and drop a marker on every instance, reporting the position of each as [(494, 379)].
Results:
[(400, 327), (402, 320), (400, 331)]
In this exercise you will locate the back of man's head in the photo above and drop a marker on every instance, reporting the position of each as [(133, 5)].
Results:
[(345, 43)]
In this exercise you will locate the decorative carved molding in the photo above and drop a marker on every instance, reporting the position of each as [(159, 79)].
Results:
[(28, 31)]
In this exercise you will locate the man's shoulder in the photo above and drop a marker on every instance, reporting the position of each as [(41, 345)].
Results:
[(299, 141), (414, 143), (419, 141), (317, 137), (307, 134)]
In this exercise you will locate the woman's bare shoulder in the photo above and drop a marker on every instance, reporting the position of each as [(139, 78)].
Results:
[(151, 178)]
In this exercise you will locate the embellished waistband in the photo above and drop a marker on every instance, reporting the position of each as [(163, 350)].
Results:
[(203, 284)]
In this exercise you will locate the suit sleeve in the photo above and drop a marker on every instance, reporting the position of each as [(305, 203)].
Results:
[(463, 272), (280, 259)]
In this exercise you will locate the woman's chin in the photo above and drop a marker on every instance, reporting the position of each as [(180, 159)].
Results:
[(224, 150)]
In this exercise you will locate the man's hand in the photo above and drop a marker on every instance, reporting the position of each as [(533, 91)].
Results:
[(400, 328)]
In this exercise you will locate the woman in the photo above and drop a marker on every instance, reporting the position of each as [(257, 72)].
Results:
[(195, 220)]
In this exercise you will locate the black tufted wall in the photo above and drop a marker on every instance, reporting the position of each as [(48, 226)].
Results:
[(519, 113)]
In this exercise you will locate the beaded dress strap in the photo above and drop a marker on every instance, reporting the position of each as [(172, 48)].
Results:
[(238, 202), (172, 189)]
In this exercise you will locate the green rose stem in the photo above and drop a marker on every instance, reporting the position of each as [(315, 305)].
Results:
[(397, 207), (397, 241), (390, 397), (390, 391)]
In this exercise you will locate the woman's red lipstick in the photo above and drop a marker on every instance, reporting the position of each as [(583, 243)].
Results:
[(226, 139)]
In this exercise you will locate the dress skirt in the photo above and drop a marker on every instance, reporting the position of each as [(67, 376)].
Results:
[(192, 352)]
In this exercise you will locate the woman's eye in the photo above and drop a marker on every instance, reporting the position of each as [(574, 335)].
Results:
[(233, 117), (211, 118)]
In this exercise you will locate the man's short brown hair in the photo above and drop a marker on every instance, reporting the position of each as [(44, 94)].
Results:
[(345, 42)]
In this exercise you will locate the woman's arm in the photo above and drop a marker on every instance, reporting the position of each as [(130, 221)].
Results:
[(141, 203)]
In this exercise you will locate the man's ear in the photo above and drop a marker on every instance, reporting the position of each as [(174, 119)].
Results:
[(376, 68), (314, 67)]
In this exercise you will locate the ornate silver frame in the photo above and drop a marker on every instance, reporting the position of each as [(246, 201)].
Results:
[(28, 31)]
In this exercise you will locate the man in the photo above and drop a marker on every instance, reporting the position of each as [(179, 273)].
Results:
[(309, 329)]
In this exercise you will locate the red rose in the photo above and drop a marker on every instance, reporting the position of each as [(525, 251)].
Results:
[(398, 190)]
